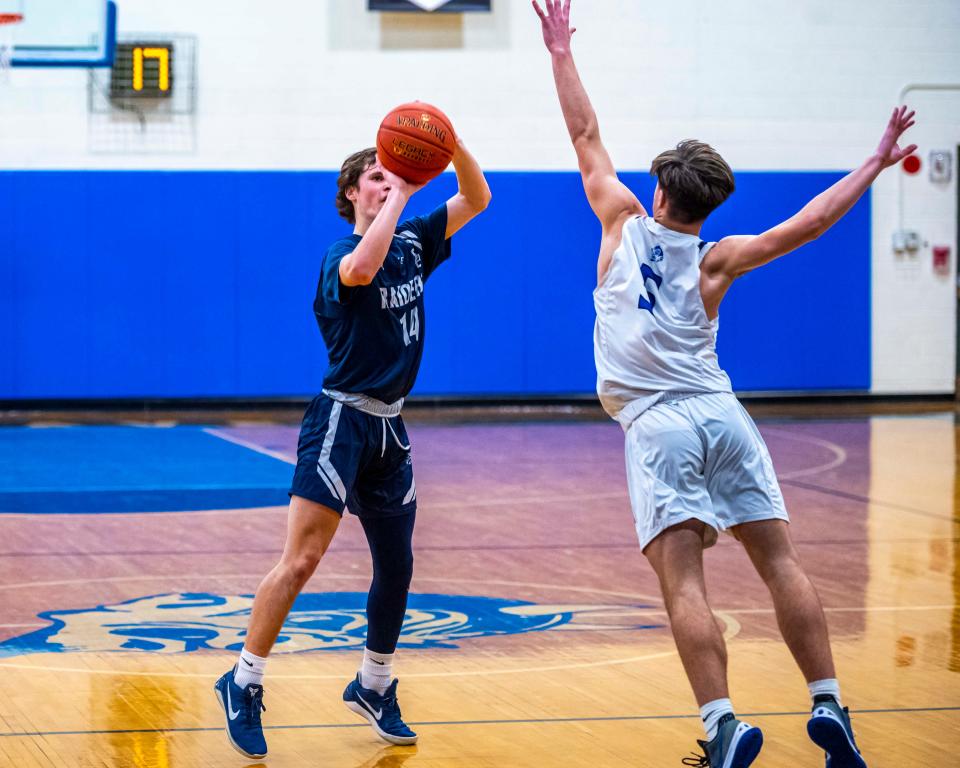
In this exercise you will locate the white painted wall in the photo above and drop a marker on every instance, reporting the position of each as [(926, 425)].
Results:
[(779, 85), (914, 307)]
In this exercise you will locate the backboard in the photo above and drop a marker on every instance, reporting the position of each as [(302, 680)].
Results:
[(65, 33)]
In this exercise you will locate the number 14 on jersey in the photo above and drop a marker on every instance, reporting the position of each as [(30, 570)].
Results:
[(411, 325)]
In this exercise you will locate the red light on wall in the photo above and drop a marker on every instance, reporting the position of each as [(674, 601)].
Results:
[(911, 164), (941, 259)]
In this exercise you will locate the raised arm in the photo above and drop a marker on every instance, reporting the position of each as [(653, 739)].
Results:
[(735, 256), (473, 193), (610, 200), (362, 265)]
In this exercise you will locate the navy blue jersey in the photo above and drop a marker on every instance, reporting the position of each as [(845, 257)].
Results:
[(374, 333)]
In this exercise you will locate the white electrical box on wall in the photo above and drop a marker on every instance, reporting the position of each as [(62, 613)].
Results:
[(941, 165)]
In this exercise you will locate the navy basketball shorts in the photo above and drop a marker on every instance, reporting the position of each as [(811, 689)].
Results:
[(348, 458)]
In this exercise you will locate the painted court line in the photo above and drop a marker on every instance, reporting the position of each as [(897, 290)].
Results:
[(427, 724), (839, 454), (251, 446), (867, 500)]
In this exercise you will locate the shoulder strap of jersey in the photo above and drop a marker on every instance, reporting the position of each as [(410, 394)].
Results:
[(704, 247)]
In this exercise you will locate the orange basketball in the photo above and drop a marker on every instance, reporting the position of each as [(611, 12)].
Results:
[(416, 142)]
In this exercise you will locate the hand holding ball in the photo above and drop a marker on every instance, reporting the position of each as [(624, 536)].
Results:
[(416, 141)]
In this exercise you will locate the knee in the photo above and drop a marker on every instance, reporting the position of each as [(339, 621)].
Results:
[(396, 570), (301, 567), (685, 595), (404, 568), (780, 568)]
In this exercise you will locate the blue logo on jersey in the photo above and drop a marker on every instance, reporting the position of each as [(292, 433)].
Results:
[(656, 253), (648, 274), (326, 621)]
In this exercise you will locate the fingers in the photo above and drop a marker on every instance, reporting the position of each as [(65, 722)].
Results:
[(901, 119), (906, 119), (910, 150), (536, 7), (566, 9)]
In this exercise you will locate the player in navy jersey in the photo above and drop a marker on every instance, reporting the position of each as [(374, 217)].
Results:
[(353, 450)]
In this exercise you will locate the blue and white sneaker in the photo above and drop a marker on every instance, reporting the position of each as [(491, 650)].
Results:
[(736, 745), (242, 707), (383, 712), (829, 728)]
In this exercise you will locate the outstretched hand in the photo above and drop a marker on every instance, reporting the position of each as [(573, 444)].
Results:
[(556, 25), (888, 150)]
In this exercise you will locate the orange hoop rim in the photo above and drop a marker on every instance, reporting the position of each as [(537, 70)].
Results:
[(10, 18)]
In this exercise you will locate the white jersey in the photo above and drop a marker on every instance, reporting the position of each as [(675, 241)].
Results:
[(652, 333)]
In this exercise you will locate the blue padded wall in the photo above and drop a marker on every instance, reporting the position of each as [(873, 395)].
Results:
[(200, 284)]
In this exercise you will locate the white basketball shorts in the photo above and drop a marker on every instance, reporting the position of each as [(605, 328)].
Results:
[(699, 457)]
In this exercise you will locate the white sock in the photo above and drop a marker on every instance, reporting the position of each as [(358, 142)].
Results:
[(829, 685), (376, 673), (250, 669), (711, 712)]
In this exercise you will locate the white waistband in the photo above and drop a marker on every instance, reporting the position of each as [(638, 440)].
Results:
[(366, 403), (636, 408)]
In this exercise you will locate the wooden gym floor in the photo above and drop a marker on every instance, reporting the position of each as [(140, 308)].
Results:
[(535, 634)]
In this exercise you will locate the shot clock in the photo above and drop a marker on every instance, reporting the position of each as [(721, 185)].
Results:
[(142, 69)]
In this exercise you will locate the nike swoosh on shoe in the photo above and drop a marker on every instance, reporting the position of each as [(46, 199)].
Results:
[(377, 713)]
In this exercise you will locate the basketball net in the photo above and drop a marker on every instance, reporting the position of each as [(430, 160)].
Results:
[(8, 25)]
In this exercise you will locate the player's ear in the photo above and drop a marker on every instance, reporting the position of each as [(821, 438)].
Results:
[(352, 193)]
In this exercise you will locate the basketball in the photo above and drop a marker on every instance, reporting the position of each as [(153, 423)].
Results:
[(416, 141)]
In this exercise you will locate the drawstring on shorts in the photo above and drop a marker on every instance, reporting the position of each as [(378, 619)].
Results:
[(385, 423)]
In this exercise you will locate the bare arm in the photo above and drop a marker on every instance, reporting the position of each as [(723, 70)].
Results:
[(473, 193), (610, 200), (362, 265), (735, 256)]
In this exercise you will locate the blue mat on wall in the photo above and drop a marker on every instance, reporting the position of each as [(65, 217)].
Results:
[(200, 284)]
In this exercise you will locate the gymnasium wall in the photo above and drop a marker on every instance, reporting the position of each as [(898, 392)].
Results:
[(191, 274)]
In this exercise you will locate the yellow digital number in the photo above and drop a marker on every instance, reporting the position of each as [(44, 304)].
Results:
[(162, 55)]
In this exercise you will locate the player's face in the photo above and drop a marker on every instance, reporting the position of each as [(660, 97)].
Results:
[(371, 193)]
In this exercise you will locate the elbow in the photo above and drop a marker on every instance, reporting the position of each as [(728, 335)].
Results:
[(585, 138), (484, 201), (356, 274), (586, 134), (365, 277), (478, 201), (815, 224)]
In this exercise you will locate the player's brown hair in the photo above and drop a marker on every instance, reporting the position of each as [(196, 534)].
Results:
[(350, 173), (694, 179)]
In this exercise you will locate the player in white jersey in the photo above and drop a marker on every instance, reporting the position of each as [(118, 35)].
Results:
[(696, 464)]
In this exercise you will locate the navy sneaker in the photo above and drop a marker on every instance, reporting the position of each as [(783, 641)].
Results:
[(242, 706), (829, 728), (383, 712), (736, 745)]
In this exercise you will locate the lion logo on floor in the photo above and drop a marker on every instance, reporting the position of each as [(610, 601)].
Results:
[(325, 621)]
